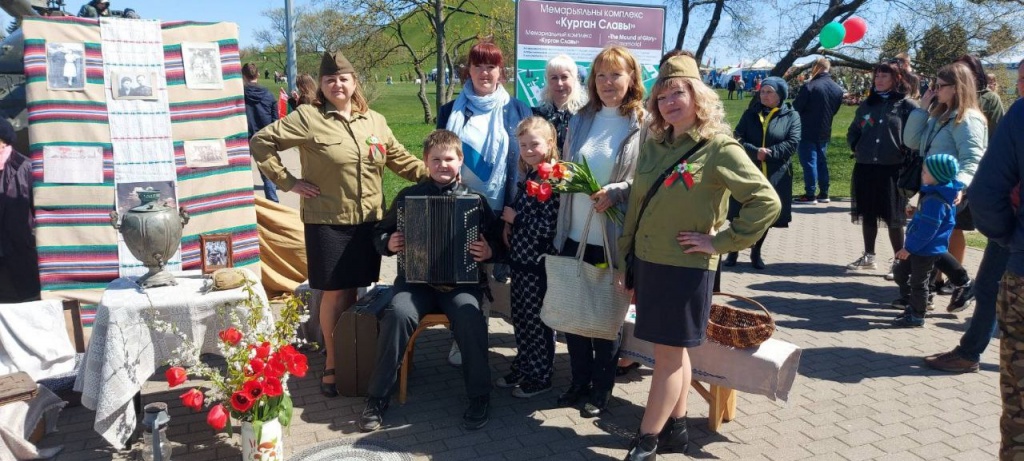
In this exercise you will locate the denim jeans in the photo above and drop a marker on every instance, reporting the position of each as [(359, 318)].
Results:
[(812, 159), (986, 287), (269, 189)]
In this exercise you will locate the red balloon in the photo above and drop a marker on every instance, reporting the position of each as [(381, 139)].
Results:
[(855, 29)]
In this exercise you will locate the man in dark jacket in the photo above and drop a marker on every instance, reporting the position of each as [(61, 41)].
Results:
[(19, 268), (817, 103), (995, 197), (260, 112)]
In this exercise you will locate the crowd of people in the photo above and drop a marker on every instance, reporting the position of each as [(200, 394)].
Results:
[(487, 144)]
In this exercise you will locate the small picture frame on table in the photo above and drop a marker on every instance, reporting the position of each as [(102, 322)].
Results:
[(215, 252)]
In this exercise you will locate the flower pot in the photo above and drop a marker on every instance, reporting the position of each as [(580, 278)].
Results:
[(268, 445)]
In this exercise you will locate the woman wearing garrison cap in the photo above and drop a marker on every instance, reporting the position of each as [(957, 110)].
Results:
[(344, 147), (675, 237)]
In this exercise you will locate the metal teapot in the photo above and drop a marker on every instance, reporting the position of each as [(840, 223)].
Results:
[(152, 232)]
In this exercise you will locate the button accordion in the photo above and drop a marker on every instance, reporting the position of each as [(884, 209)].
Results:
[(438, 231)]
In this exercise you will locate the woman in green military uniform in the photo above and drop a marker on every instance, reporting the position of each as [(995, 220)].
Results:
[(343, 148)]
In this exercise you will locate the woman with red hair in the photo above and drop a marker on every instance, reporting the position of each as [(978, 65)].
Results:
[(485, 117)]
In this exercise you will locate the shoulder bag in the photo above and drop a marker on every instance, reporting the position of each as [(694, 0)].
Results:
[(643, 206), (582, 299), (909, 181)]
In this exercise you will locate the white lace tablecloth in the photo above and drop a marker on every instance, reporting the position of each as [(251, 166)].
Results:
[(124, 351)]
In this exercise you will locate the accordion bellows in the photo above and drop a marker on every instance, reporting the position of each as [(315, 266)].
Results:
[(438, 231)]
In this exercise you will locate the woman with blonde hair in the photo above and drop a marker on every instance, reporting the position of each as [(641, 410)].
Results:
[(563, 95), (952, 124), (673, 237), (606, 133)]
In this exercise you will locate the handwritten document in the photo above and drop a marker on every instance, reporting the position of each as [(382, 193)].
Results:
[(73, 164)]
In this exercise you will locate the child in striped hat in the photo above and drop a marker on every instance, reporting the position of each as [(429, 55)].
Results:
[(927, 244)]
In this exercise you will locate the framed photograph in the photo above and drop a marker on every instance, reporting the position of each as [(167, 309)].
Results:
[(65, 66), (215, 251), (202, 65), (206, 153), (128, 194), (134, 85)]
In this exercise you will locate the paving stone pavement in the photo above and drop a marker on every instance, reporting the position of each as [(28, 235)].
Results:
[(862, 390)]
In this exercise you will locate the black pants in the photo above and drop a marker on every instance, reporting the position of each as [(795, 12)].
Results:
[(914, 273), (410, 303), (592, 360)]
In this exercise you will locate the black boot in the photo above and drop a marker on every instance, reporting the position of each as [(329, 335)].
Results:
[(755, 253), (673, 437), (643, 448), (731, 259)]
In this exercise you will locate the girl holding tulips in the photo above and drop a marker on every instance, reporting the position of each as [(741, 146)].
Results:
[(529, 234)]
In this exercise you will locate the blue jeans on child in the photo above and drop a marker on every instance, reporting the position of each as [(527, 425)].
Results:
[(812, 159)]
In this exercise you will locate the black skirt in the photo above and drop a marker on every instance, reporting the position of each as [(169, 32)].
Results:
[(341, 257), (673, 304), (875, 195)]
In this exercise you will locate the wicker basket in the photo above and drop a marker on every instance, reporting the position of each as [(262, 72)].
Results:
[(739, 327)]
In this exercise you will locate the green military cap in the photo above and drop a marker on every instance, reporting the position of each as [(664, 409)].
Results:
[(679, 66), (335, 63)]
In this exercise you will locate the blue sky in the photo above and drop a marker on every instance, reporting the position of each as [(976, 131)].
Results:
[(246, 13)]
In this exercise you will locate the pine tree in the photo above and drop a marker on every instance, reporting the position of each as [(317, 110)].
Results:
[(895, 43), (940, 46)]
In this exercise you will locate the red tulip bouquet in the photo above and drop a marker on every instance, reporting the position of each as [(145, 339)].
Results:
[(567, 178), (259, 355)]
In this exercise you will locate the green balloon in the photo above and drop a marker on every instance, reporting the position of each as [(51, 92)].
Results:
[(832, 35)]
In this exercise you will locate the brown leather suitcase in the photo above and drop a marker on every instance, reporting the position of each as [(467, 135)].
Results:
[(355, 341)]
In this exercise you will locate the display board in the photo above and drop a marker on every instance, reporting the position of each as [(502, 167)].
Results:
[(122, 113), (545, 29)]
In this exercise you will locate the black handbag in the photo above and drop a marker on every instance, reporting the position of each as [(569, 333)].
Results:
[(909, 181)]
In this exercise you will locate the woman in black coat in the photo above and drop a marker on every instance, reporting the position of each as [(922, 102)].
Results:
[(876, 138), (769, 131)]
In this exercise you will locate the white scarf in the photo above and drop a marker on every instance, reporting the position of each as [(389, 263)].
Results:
[(489, 164)]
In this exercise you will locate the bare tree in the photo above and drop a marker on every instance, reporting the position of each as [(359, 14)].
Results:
[(272, 39), (326, 29), (399, 18), (695, 12)]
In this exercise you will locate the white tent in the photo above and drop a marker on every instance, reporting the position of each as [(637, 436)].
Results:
[(761, 64), (728, 74)]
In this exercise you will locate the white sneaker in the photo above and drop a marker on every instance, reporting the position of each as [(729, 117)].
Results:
[(865, 262), (892, 268), (455, 355)]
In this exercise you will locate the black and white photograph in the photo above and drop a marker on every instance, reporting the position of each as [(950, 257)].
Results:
[(134, 85), (128, 194), (215, 250), (202, 65), (205, 153), (65, 66)]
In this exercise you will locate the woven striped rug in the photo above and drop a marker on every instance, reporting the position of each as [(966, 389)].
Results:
[(77, 245)]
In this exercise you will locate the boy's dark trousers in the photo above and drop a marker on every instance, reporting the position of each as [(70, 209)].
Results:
[(409, 304), (914, 274)]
